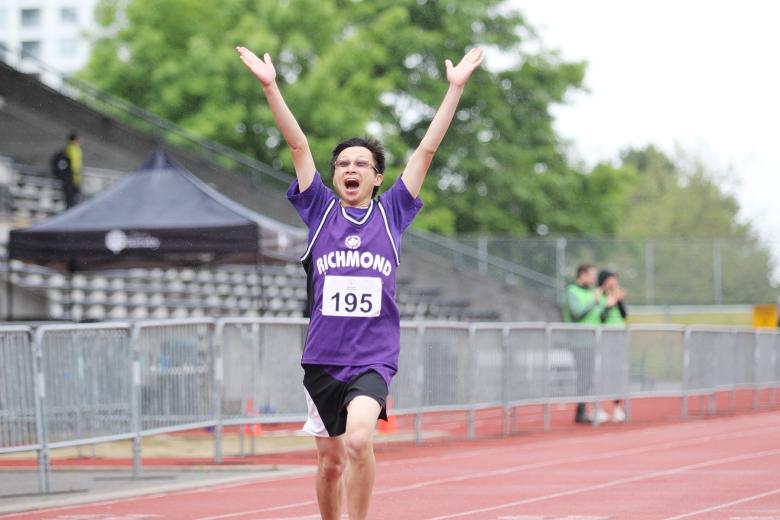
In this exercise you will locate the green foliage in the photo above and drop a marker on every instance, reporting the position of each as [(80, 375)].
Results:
[(680, 200), (351, 67), (677, 237)]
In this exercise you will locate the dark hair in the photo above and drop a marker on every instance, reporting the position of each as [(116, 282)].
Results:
[(73, 136), (373, 146), (603, 275), (583, 268)]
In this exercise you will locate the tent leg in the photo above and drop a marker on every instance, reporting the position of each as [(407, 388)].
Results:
[(9, 292), (257, 292), (69, 315)]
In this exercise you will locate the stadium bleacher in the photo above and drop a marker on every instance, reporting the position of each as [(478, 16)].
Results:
[(34, 120), (141, 293), (34, 195), (182, 292)]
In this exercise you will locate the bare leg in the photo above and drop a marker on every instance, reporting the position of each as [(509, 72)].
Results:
[(330, 466), (362, 413)]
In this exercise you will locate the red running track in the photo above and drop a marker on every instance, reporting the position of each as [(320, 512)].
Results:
[(717, 468)]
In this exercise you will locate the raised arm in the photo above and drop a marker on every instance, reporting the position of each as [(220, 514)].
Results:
[(420, 161), (291, 131)]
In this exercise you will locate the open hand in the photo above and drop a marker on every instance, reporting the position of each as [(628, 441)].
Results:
[(263, 69), (459, 74)]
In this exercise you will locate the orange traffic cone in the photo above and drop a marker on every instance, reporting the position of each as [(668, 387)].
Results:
[(389, 426), (252, 429)]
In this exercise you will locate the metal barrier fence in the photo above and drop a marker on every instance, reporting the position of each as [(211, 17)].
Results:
[(76, 385), (18, 418), (176, 366)]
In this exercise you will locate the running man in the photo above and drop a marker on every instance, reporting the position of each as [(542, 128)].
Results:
[(352, 346)]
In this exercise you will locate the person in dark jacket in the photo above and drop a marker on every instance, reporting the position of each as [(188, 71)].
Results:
[(66, 165)]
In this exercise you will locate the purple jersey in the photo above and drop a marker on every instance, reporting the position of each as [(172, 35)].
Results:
[(351, 263)]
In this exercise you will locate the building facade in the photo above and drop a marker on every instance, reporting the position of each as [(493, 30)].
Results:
[(47, 38)]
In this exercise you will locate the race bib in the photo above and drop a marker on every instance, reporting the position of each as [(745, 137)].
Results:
[(352, 296)]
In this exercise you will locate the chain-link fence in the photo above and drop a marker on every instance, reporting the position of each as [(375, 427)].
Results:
[(75, 385), (656, 271)]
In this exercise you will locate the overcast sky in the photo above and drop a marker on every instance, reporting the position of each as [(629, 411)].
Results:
[(700, 75)]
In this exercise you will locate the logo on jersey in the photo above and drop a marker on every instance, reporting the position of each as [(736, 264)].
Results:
[(348, 259), (352, 242)]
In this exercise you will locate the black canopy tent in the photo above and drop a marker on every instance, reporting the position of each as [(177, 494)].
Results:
[(160, 215)]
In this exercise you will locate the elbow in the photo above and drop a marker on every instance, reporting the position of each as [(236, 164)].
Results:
[(298, 145), (427, 150), (422, 157)]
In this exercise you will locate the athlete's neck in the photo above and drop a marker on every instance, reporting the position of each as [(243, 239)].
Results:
[(357, 205)]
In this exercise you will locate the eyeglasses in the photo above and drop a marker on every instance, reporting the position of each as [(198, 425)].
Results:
[(361, 164)]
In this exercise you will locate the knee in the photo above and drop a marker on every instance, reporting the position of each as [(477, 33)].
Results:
[(359, 444), (331, 467)]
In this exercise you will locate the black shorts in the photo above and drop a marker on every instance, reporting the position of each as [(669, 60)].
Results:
[(327, 398)]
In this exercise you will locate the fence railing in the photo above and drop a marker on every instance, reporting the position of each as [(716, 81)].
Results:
[(83, 384), (655, 271), (463, 255)]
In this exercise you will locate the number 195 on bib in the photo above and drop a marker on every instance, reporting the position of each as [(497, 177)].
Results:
[(352, 296)]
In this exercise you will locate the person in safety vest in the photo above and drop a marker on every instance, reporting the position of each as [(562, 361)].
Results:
[(612, 300), (613, 314), (66, 165), (583, 304), (583, 297)]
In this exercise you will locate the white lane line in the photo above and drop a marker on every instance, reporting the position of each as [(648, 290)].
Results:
[(202, 487), (522, 467), (727, 504), (140, 516), (546, 517), (652, 431), (613, 483), (577, 459), (192, 487)]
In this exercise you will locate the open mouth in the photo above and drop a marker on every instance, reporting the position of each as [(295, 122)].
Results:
[(351, 184)]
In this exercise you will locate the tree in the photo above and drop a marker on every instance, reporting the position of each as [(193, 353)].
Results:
[(352, 67), (678, 198), (695, 230)]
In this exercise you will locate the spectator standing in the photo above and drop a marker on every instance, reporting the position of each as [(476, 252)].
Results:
[(583, 297), (66, 166), (612, 300), (613, 314), (584, 305)]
